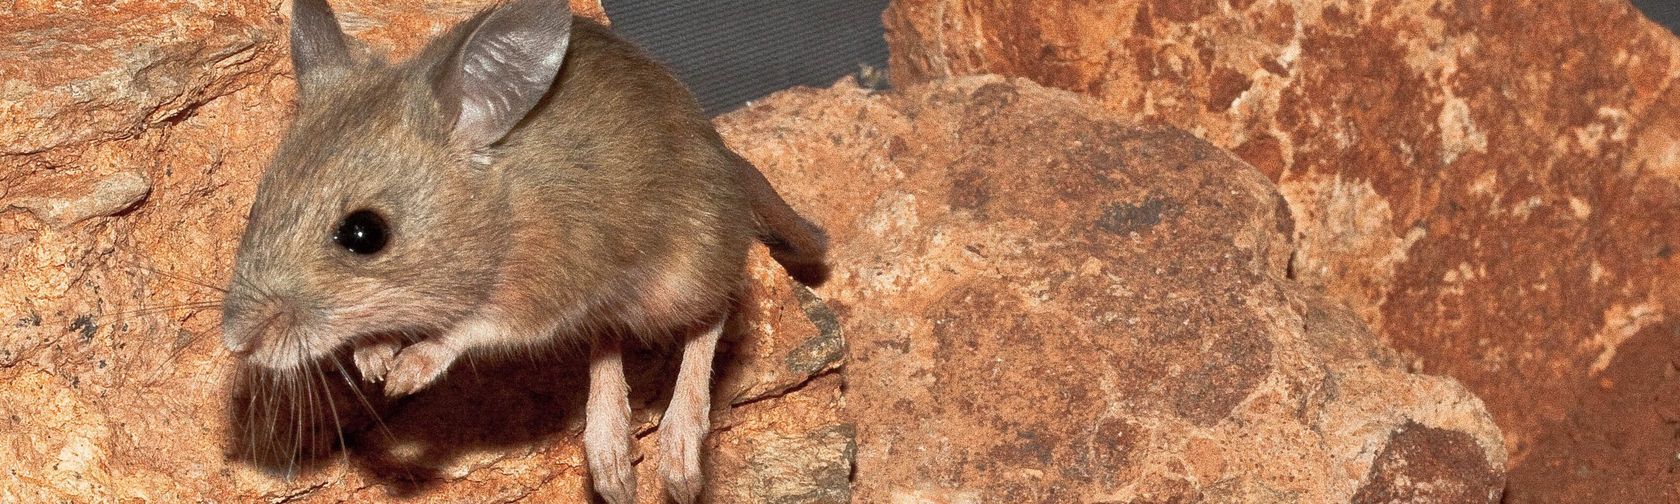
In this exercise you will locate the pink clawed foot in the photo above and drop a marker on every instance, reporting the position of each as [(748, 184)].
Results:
[(687, 420), (681, 434), (373, 360), (417, 367), (606, 430)]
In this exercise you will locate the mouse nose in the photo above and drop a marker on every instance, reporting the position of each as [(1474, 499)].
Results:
[(239, 346), (245, 326), (236, 334), (238, 340)]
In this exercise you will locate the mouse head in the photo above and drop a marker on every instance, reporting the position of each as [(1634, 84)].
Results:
[(382, 211)]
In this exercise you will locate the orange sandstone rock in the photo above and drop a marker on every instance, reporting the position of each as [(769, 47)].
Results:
[(1045, 303), (1493, 186)]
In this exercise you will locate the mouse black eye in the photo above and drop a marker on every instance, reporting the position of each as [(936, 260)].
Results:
[(362, 232)]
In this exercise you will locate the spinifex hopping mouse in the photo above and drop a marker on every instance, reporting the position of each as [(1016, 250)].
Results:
[(527, 180)]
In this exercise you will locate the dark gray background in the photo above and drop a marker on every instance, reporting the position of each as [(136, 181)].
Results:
[(731, 51), (1665, 12)]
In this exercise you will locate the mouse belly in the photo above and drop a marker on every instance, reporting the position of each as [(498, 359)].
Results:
[(666, 303), (655, 308)]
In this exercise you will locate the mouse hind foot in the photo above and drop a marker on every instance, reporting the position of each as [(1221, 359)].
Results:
[(683, 429), (606, 429)]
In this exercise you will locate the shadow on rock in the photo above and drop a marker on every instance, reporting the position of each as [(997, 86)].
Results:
[(295, 424)]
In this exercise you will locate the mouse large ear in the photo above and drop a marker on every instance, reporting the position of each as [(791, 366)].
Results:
[(318, 46), (502, 69)]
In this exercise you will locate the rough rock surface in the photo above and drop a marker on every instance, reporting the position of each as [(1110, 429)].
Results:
[(1045, 304), (1493, 186), (1619, 442), (132, 145)]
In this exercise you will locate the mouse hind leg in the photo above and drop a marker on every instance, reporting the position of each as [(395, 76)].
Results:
[(687, 419)]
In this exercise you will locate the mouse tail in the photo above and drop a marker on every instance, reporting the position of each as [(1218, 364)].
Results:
[(800, 246)]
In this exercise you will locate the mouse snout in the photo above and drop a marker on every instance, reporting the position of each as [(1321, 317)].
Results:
[(246, 326), (238, 345)]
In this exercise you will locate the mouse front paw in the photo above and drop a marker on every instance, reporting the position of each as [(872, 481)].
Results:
[(417, 366), (373, 360)]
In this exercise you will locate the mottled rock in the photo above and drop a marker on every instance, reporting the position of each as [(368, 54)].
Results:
[(1493, 186), (1619, 442), (1422, 464), (103, 198), (788, 337), (1044, 303), (810, 467), (396, 29), (82, 73)]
